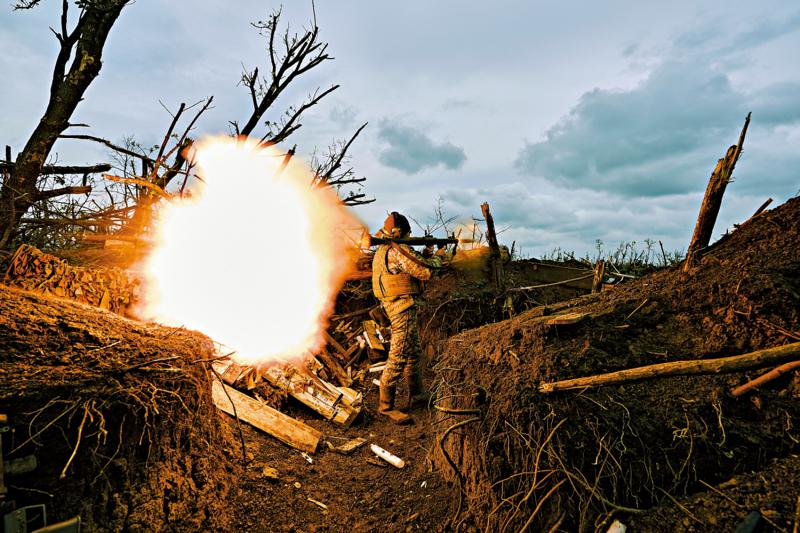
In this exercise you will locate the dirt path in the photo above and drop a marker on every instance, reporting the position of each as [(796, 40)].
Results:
[(359, 495)]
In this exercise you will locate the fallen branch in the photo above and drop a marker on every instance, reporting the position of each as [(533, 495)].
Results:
[(757, 359), (773, 374), (543, 285)]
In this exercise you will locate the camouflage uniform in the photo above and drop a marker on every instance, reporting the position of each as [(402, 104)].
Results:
[(405, 349)]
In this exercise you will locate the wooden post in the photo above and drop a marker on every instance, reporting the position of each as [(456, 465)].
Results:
[(599, 274), (712, 200), (720, 365), (491, 236)]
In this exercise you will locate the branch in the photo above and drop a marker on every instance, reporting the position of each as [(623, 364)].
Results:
[(52, 193), (301, 55), (337, 159), (55, 169), (289, 127), (109, 144), (140, 182), (720, 365)]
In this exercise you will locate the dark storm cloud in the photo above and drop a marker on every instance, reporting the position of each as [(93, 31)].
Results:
[(410, 150), (659, 138)]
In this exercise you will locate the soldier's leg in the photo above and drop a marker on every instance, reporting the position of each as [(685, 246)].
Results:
[(417, 395), (394, 367)]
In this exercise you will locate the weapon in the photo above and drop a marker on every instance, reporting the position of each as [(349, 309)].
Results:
[(368, 241)]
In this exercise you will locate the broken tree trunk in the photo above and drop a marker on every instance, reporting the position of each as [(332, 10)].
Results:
[(712, 200), (720, 365), (282, 427), (491, 236), (599, 274)]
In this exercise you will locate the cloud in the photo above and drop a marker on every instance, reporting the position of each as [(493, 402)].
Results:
[(540, 216), (343, 115), (664, 135), (411, 150)]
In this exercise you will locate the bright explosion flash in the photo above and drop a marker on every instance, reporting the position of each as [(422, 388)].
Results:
[(255, 258)]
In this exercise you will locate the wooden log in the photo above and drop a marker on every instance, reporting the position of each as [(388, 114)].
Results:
[(284, 428), (775, 373), (757, 359), (712, 200), (497, 262)]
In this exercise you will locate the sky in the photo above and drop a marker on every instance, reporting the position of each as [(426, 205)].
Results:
[(577, 121)]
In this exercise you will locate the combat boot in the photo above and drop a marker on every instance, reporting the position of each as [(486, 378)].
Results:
[(386, 405), (417, 395)]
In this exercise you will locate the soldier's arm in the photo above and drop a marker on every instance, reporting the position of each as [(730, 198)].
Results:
[(413, 263)]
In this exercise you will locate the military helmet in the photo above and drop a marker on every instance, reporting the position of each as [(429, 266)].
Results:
[(396, 225)]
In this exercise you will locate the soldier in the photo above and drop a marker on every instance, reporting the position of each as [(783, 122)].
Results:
[(396, 274)]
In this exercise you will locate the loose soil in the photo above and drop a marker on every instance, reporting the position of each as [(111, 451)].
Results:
[(578, 460), (154, 455)]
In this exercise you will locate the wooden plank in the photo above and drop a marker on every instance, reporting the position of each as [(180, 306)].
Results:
[(315, 393), (284, 428), (348, 447)]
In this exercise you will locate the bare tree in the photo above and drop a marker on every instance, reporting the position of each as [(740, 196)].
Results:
[(142, 174), (291, 55), (84, 44)]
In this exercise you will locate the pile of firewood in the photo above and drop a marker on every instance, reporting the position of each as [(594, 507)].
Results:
[(354, 352), (108, 288)]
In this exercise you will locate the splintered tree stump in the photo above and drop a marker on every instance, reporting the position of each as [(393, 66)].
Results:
[(712, 200), (498, 276), (721, 365)]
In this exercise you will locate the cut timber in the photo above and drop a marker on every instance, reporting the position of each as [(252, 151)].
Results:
[(239, 376), (348, 447), (336, 369), (775, 373), (341, 406), (333, 342), (712, 200), (720, 365), (284, 428)]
